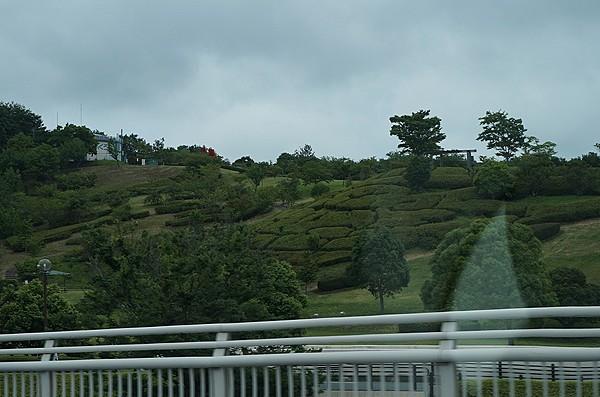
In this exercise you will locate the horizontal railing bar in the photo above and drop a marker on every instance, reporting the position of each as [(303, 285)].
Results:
[(318, 340), (411, 318), (323, 358)]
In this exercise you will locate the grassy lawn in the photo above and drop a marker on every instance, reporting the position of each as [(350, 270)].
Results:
[(122, 176), (357, 301), (577, 245)]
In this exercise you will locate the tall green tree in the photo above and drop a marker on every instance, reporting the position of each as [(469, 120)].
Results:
[(503, 133), (256, 173), (135, 148), (378, 264), (21, 308), (487, 265), (17, 119), (114, 149), (289, 190), (419, 134), (304, 154), (314, 171)]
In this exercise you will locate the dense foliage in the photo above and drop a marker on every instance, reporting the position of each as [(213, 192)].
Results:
[(503, 133), (378, 264), (195, 275), (489, 264), (419, 134), (21, 308)]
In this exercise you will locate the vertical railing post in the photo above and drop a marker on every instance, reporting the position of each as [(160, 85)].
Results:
[(46, 386), (218, 376), (447, 385)]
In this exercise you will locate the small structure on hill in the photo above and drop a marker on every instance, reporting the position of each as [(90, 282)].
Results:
[(103, 151), (470, 160)]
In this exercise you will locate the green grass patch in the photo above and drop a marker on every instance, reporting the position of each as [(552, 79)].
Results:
[(577, 245)]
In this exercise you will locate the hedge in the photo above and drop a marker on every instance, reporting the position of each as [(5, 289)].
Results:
[(545, 231), (140, 214), (332, 232), (361, 191), (391, 180), (291, 242), (335, 218), (567, 212), (362, 218), (418, 202), (333, 284), (345, 243), (178, 222), (449, 178), (427, 236), (263, 240), (297, 258), (464, 194), (177, 207), (362, 203), (333, 257), (482, 207)]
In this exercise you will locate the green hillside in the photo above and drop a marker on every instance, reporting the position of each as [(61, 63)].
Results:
[(420, 220)]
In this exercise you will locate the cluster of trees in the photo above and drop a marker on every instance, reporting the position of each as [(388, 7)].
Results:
[(304, 165), (530, 167), (36, 153), (21, 311), (196, 275)]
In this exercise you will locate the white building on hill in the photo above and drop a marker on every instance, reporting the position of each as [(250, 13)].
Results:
[(102, 152)]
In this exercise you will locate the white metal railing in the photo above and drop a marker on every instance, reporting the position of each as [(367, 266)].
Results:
[(234, 364)]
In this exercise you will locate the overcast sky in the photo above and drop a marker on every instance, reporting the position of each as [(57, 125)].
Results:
[(260, 78)]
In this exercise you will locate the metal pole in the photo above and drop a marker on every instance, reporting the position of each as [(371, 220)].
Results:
[(45, 282), (448, 387), (218, 377)]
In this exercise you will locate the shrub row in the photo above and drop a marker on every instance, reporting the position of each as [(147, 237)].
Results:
[(178, 222), (567, 212), (333, 284), (177, 207), (333, 257), (332, 232), (345, 243), (545, 231), (484, 207), (449, 178)]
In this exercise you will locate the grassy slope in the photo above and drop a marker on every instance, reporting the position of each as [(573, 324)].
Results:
[(345, 211), (110, 177), (578, 245), (420, 220), (113, 177)]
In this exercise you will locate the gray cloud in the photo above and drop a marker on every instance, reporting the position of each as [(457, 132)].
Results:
[(264, 77)]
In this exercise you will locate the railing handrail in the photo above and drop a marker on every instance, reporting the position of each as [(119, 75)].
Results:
[(410, 318), (317, 340), (538, 354)]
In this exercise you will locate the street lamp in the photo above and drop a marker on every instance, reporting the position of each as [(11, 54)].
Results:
[(44, 266)]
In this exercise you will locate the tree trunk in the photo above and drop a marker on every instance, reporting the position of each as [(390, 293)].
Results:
[(381, 303)]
